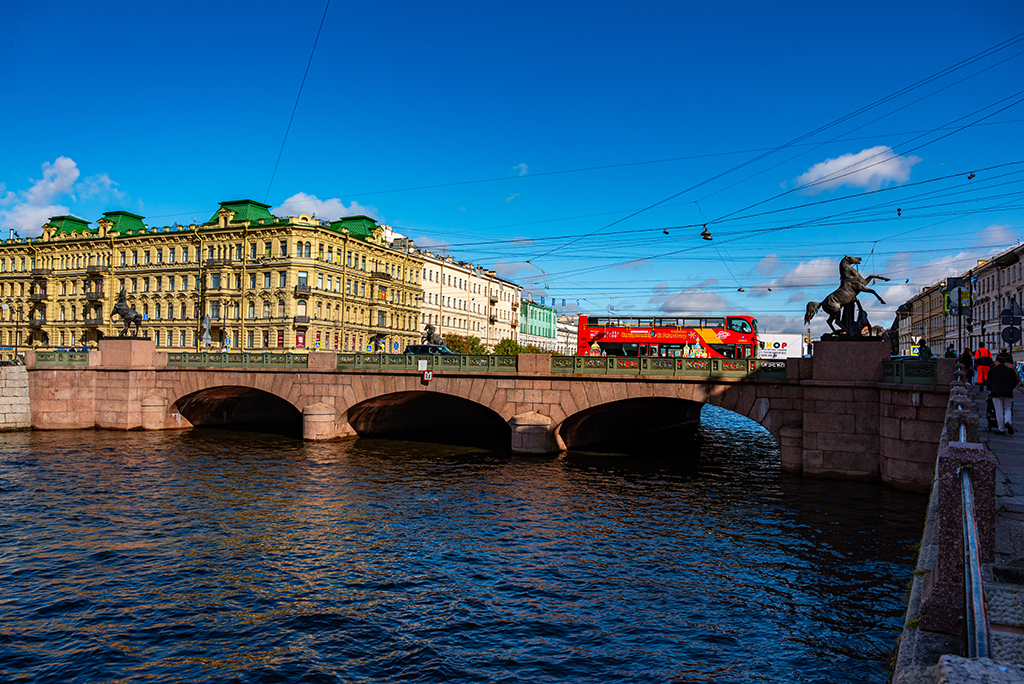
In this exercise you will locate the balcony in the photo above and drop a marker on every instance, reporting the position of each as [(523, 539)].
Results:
[(36, 322), (97, 269), (42, 271), (38, 297), (94, 295), (381, 275), (303, 289), (218, 262), (494, 301), (493, 319), (92, 322), (302, 320)]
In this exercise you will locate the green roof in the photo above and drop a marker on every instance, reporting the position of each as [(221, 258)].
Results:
[(361, 227), (245, 210), (68, 224), (124, 221)]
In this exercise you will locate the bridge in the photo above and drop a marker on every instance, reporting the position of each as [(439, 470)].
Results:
[(848, 412)]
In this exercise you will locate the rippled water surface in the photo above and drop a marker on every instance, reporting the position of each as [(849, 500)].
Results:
[(233, 557)]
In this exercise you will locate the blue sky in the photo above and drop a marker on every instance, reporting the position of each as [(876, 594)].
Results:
[(578, 148)]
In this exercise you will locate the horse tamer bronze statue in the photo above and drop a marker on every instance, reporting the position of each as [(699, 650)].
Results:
[(840, 304)]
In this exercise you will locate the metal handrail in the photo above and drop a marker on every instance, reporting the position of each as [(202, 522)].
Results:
[(974, 595)]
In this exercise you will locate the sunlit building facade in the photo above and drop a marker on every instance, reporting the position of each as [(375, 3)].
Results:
[(266, 283)]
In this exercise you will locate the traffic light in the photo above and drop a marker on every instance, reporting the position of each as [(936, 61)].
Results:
[(970, 324)]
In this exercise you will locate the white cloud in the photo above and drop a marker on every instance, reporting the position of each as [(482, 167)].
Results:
[(697, 300), (769, 265), (511, 269), (999, 234), (330, 209), (512, 197), (432, 244), (806, 274), (871, 168), (30, 209), (633, 265), (523, 169)]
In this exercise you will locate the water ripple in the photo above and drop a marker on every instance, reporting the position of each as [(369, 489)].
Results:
[(228, 557)]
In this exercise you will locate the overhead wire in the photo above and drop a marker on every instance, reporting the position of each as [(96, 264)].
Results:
[(297, 96), (877, 103)]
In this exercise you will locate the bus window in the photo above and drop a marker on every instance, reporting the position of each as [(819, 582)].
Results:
[(739, 325)]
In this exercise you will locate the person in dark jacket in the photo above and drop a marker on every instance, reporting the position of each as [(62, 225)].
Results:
[(950, 352), (967, 361), (1002, 381)]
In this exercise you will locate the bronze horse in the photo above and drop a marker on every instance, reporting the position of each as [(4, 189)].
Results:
[(128, 314), (852, 283)]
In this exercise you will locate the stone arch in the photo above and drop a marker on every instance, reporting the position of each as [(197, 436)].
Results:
[(233, 405), (632, 420), (419, 415)]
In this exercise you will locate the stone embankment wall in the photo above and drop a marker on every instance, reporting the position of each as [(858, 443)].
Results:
[(15, 413)]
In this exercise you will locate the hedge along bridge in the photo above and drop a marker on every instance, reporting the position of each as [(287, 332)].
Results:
[(849, 412)]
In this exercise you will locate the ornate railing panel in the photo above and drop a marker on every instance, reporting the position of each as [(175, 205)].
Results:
[(910, 372), (62, 358), (247, 360)]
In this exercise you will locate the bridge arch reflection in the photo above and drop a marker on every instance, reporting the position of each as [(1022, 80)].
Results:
[(429, 417)]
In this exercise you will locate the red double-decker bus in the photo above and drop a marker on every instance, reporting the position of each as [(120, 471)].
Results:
[(730, 337)]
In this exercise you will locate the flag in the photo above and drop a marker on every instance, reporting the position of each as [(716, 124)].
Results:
[(563, 301), (542, 301)]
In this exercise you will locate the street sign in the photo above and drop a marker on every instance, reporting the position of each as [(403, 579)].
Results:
[(958, 299), (1011, 335)]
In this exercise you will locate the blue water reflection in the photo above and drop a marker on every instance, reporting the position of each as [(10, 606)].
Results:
[(223, 557)]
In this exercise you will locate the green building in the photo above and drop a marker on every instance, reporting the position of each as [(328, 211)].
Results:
[(538, 325)]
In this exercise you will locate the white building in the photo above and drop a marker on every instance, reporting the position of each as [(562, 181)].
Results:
[(567, 334), (467, 299)]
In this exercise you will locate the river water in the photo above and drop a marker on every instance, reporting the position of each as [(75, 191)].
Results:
[(235, 557)]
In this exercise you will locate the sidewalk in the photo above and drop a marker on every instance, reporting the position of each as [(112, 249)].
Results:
[(1004, 579)]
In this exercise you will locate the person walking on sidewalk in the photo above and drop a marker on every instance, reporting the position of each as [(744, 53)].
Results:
[(967, 361), (1002, 381), (982, 361)]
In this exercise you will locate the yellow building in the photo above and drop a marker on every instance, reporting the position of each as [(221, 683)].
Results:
[(266, 283)]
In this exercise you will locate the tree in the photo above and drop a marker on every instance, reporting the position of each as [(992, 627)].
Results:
[(507, 347), (463, 344), (533, 349)]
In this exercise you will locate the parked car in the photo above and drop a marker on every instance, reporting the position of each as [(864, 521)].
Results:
[(428, 349)]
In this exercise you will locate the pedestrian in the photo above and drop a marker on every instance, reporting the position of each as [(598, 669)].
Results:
[(1009, 353), (950, 352), (982, 361), (967, 361), (1001, 383)]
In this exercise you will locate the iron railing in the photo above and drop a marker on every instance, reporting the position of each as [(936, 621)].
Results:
[(62, 358), (909, 372), (482, 363), (676, 366), (246, 360), (976, 628)]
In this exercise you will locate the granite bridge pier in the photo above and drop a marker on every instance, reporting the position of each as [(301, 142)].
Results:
[(848, 412)]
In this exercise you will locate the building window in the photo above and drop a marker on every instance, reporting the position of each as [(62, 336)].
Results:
[(266, 280), (252, 250), (364, 263), (348, 287), (300, 308), (184, 257), (266, 309), (156, 312), (282, 278), (215, 281), (309, 249), (319, 281), (280, 308), (170, 258), (302, 278), (251, 314), (284, 248), (252, 281)]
